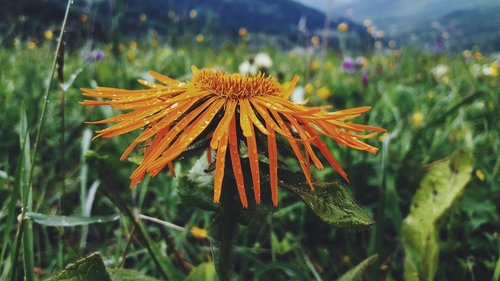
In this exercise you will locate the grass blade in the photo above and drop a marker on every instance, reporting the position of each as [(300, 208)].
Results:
[(35, 151)]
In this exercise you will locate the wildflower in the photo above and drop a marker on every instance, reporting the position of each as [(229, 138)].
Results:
[(490, 70), (364, 79), (367, 23), (200, 38), (417, 118), (348, 64), (242, 32), (478, 55), (48, 34), (263, 60), (315, 40), (342, 27), (309, 88), (143, 18), (323, 93), (93, 56), (380, 34), (378, 44), (361, 62), (216, 105), (193, 14), (32, 45), (480, 175), (467, 54), (392, 44), (247, 68), (133, 45), (440, 71), (198, 233)]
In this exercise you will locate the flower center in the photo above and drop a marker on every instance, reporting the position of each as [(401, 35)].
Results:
[(236, 86)]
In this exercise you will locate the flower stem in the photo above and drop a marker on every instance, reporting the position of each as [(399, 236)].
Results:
[(226, 226)]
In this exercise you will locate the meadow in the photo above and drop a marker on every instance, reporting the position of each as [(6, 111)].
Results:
[(432, 191)]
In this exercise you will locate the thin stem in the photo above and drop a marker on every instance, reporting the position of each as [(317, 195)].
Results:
[(127, 247), (35, 148), (226, 226)]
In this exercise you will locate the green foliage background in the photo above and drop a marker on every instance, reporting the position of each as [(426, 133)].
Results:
[(459, 113)]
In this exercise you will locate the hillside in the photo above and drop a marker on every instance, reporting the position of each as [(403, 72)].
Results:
[(220, 17)]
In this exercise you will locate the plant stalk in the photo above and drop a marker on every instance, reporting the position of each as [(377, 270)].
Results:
[(226, 226)]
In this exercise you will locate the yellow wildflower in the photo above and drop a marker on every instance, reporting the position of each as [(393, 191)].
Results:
[(342, 27), (48, 34), (480, 175), (323, 93), (417, 118), (199, 233)]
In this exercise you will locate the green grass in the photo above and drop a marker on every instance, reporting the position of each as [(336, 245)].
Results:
[(459, 112)]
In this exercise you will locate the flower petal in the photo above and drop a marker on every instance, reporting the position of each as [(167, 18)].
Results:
[(273, 163), (219, 166), (223, 124), (253, 157), (295, 149), (235, 160)]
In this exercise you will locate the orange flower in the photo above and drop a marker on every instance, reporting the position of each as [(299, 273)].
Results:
[(217, 105)]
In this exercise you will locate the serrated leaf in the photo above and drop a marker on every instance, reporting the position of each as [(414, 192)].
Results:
[(66, 221), (89, 268), (203, 272), (330, 201), (121, 274), (439, 188), (356, 273)]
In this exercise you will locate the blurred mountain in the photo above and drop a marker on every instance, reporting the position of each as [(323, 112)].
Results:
[(476, 21), (461, 29), (132, 17)]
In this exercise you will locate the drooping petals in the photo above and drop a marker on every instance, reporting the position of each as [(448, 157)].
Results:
[(235, 161), (273, 164), (218, 106), (253, 157)]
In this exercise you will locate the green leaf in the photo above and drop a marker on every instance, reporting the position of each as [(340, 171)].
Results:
[(66, 221), (203, 272), (136, 159), (356, 273), (440, 187), (496, 273), (330, 201), (121, 274), (292, 271), (89, 268)]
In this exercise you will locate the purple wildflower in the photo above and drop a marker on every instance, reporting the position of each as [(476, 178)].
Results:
[(93, 56), (364, 78), (348, 64)]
